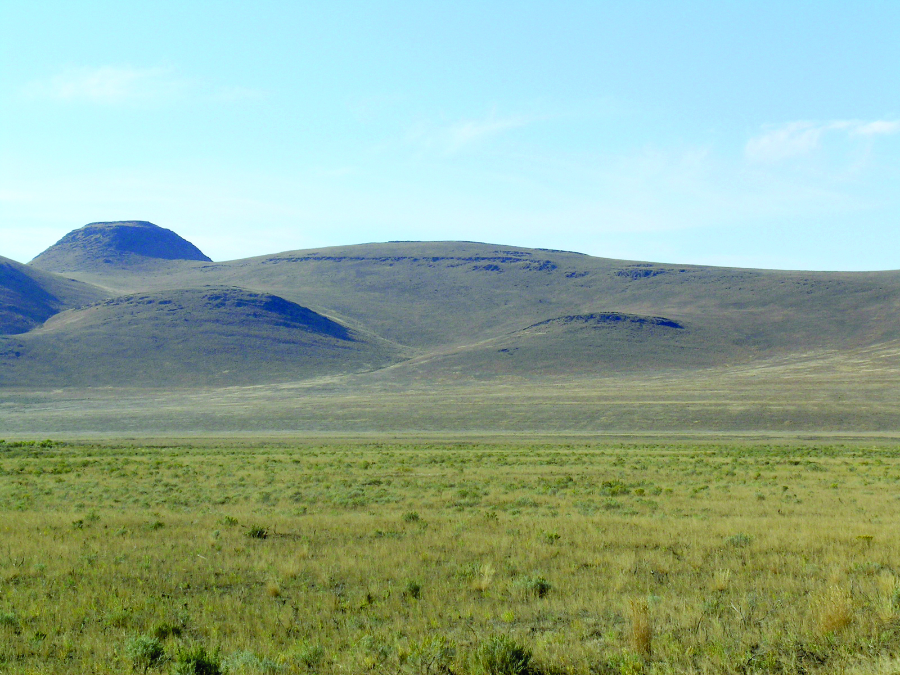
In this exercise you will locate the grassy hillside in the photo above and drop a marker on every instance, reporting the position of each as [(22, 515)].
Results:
[(129, 243), (28, 296), (455, 335), (175, 338), (441, 295)]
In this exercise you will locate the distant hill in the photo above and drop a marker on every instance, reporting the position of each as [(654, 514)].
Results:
[(129, 304), (124, 243), (212, 335), (28, 296)]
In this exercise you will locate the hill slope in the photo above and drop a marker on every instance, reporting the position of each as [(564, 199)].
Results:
[(178, 338), (28, 296), (359, 327), (440, 295), (117, 244), (434, 294)]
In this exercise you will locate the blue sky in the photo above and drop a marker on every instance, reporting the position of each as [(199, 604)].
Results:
[(754, 134)]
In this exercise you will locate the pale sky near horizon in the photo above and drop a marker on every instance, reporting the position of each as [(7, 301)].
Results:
[(751, 134)]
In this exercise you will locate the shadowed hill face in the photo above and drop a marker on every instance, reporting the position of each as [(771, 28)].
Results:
[(197, 336), (28, 297), (116, 244), (203, 308)]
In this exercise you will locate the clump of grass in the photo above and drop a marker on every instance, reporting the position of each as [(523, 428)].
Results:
[(248, 662), (411, 517), (257, 532), (721, 580), (195, 660), (891, 586), (501, 655), (550, 537), (413, 589), (309, 655), (835, 610), (613, 488), (739, 540), (164, 630), (433, 655), (640, 635), (484, 579), (619, 664), (535, 586), (9, 620), (144, 652)]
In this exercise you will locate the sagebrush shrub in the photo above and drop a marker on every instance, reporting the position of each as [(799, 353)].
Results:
[(144, 652), (739, 540), (309, 655), (195, 660), (502, 655)]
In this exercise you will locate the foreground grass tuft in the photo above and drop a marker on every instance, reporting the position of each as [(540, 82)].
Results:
[(501, 655), (195, 660), (144, 652)]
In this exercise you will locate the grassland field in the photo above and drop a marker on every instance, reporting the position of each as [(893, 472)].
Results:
[(465, 558)]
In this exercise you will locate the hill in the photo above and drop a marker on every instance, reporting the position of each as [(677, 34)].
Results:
[(357, 328), (28, 296), (133, 243), (214, 335)]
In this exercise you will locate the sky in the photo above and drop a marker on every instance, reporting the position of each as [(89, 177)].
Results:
[(751, 134)]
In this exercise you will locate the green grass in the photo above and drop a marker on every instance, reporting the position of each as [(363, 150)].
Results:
[(466, 558)]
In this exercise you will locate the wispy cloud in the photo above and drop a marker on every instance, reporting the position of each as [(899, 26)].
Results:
[(800, 138), (463, 134), (471, 131), (790, 140), (107, 85), (877, 127)]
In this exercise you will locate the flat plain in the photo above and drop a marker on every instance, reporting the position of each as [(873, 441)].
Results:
[(449, 556)]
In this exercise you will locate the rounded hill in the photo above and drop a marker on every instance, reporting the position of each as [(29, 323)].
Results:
[(201, 336), (198, 310), (117, 244)]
